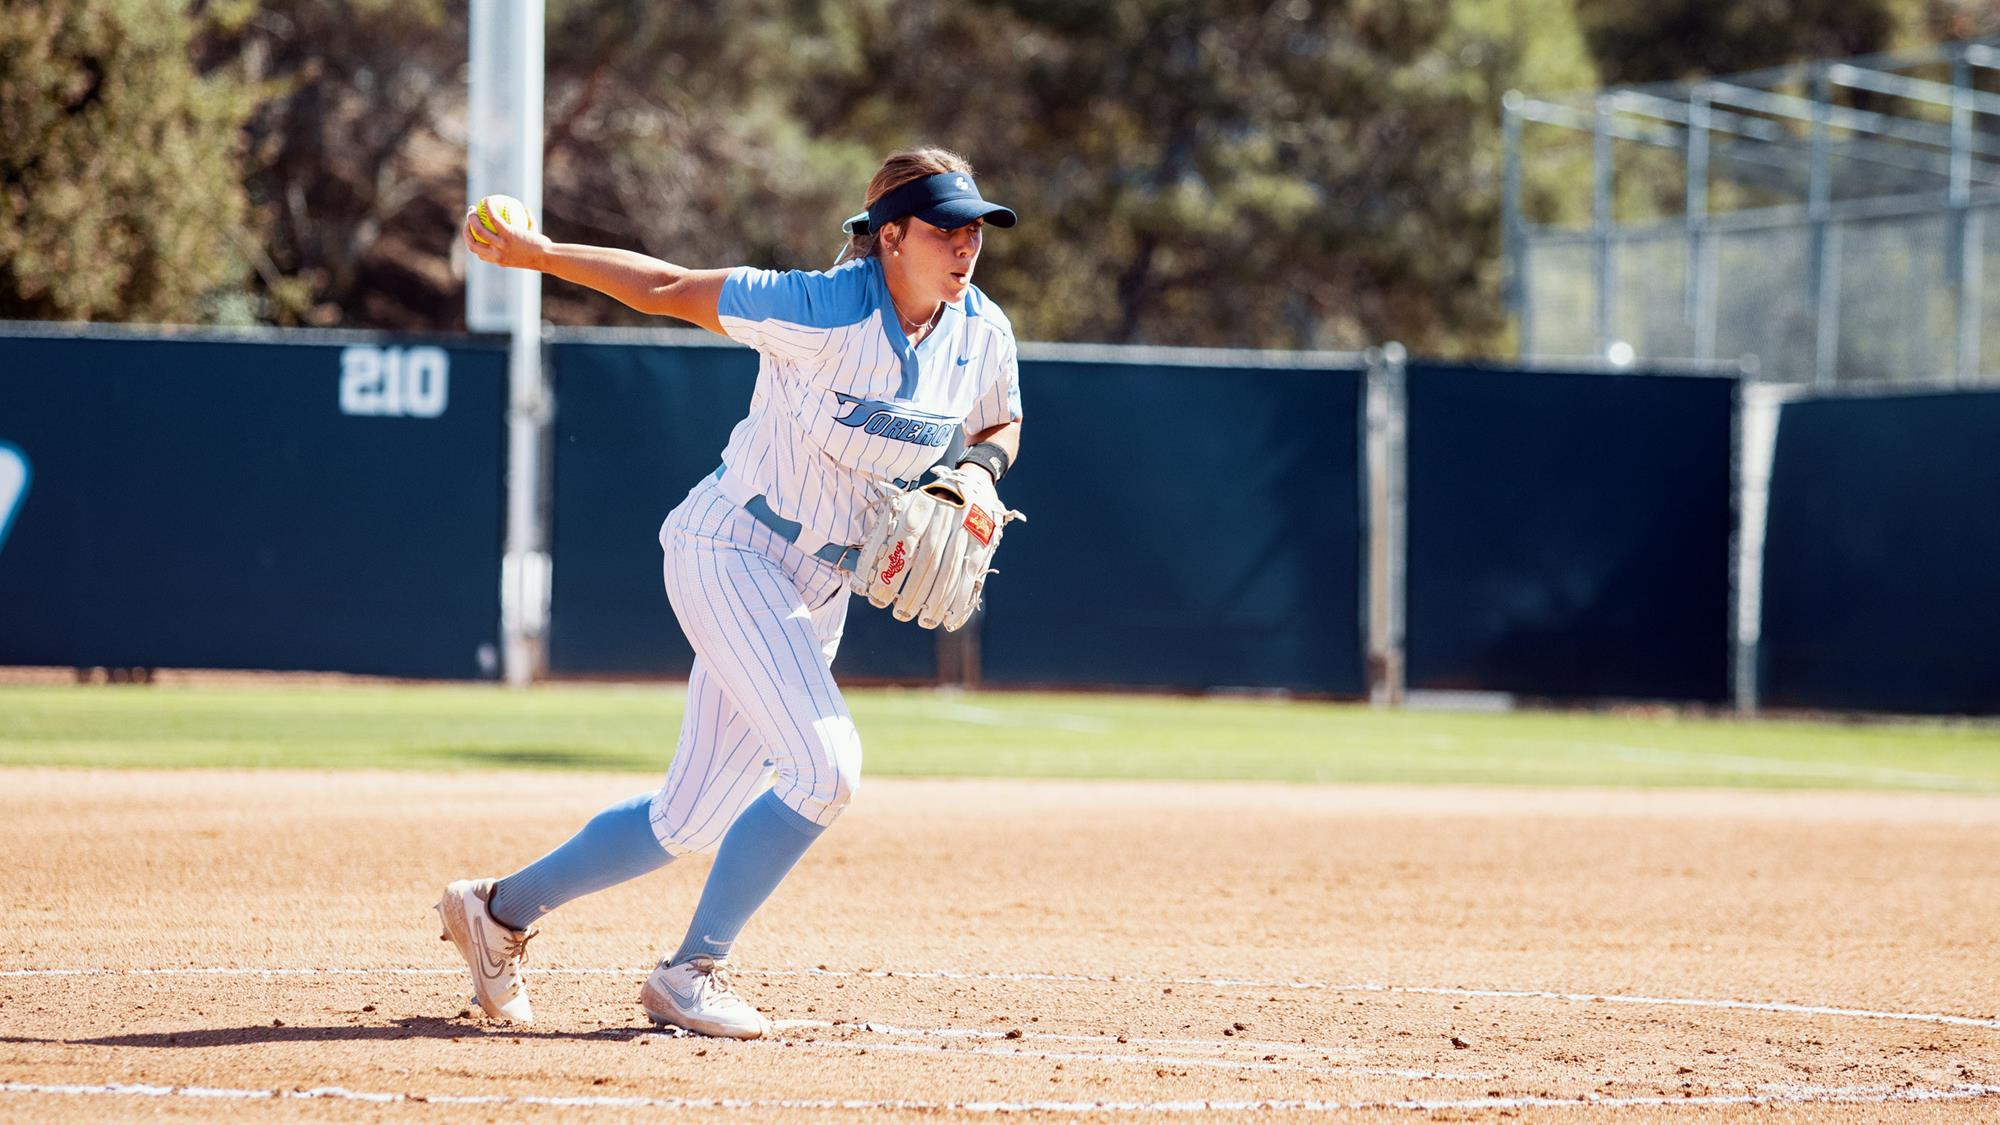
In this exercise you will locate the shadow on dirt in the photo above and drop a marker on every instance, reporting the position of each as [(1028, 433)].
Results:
[(421, 1027)]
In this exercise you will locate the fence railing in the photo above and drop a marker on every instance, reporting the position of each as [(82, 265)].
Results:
[(1830, 220), (1890, 304)]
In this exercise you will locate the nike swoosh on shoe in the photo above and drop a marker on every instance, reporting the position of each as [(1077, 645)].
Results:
[(486, 958)]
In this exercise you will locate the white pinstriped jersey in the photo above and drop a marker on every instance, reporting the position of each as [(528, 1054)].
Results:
[(845, 409)]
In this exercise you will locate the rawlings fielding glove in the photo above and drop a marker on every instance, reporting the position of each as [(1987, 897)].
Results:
[(926, 553)]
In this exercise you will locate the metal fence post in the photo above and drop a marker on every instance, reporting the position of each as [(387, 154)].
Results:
[(1511, 241), (506, 50), (1601, 158), (526, 577), (1965, 257), (1753, 443), (1822, 274), (1387, 475), (1700, 290)]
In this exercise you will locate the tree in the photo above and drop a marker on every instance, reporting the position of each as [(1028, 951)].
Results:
[(1188, 171), (118, 190), (670, 128), (351, 164), (1664, 40), (1259, 173), (1297, 174)]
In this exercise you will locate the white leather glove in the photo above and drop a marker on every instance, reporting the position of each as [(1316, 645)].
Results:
[(927, 552)]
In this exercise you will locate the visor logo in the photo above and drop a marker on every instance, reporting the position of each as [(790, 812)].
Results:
[(963, 184)]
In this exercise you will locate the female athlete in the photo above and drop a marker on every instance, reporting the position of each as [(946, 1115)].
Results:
[(865, 372)]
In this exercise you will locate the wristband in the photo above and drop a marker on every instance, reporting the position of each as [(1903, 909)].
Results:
[(989, 456)]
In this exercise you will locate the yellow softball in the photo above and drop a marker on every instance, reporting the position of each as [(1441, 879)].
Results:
[(497, 211)]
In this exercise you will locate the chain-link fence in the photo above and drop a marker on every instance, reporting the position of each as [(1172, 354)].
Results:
[(1888, 291), (1827, 222)]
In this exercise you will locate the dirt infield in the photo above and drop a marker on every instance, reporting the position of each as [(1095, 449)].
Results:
[(206, 944)]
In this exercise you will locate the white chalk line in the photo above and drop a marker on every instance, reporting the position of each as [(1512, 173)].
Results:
[(1118, 1059), (1170, 1060), (1251, 1045), (1126, 1058), (1078, 978), (988, 717), (1415, 990), (1795, 1096)]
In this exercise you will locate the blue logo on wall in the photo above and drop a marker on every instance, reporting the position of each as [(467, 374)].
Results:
[(13, 486), (897, 423)]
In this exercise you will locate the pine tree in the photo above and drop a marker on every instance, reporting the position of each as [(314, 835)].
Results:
[(119, 194)]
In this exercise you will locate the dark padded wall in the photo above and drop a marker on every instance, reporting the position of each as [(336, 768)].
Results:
[(1238, 549), (212, 504), (636, 426), (1882, 555), (1188, 527), (204, 502), (1569, 533)]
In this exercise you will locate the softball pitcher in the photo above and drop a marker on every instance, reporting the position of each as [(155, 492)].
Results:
[(865, 372)]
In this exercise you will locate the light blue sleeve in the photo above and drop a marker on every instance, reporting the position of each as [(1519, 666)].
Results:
[(789, 313), (1000, 398)]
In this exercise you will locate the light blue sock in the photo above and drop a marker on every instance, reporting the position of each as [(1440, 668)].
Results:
[(618, 844), (760, 850)]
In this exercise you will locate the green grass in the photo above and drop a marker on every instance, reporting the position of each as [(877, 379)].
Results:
[(943, 734)]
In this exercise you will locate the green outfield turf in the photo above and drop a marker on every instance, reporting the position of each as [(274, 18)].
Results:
[(979, 735)]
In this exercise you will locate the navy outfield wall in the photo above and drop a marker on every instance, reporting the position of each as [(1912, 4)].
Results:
[(1882, 555), (637, 424), (1569, 533), (334, 501), (634, 428), (330, 503), (1190, 524)]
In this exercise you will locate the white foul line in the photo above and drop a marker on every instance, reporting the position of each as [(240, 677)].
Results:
[(1284, 1065), (1798, 1096), (1252, 1045), (1168, 1060), (1412, 990), (1768, 1096), (1076, 978)]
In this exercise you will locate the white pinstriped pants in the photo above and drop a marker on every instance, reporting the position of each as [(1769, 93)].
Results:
[(765, 619)]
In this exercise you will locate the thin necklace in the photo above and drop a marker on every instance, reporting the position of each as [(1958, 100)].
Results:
[(912, 327)]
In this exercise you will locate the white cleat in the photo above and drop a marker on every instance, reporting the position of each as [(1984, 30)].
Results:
[(493, 951), (695, 994)]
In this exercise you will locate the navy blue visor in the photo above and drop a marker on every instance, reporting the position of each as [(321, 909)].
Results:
[(948, 200)]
